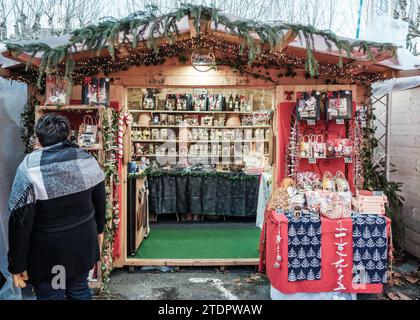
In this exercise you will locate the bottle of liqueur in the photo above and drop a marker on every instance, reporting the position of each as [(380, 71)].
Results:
[(230, 104), (237, 103), (223, 103)]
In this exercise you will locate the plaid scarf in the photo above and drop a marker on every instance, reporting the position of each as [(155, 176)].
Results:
[(54, 172)]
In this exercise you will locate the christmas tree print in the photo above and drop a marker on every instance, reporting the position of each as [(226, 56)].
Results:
[(311, 275), (318, 230), (311, 253), (301, 231), (301, 254), (384, 255), (366, 233), (314, 241), (295, 241), (370, 243), (301, 275), (356, 278), (370, 265), (305, 241), (305, 263), (380, 220), (360, 243), (380, 242), (311, 231), (380, 265), (314, 263), (376, 278), (292, 231), (292, 276), (376, 256), (296, 263), (318, 275), (356, 232), (318, 254), (376, 232), (384, 278), (366, 255), (356, 256), (384, 234), (292, 253)]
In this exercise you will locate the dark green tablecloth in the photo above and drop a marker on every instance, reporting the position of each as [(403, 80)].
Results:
[(229, 194)]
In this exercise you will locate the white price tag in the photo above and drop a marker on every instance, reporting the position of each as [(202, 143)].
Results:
[(348, 160), (339, 121), (311, 122), (312, 160)]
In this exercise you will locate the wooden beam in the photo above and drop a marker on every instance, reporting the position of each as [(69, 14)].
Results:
[(286, 40), (360, 66), (4, 72), (22, 58), (402, 73), (191, 262), (204, 27)]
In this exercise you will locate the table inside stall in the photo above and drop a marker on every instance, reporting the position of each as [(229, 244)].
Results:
[(203, 193), (276, 223)]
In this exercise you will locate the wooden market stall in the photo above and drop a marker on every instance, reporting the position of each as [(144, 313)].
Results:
[(153, 66)]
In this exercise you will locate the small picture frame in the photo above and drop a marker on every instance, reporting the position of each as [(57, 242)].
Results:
[(57, 91), (339, 105), (308, 105)]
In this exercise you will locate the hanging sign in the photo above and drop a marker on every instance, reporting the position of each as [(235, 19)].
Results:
[(203, 62)]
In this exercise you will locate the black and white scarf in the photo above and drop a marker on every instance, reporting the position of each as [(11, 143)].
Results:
[(54, 172)]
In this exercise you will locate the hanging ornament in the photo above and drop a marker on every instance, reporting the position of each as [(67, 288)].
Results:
[(123, 119), (278, 241), (288, 95)]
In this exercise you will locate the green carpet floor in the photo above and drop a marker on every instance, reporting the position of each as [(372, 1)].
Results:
[(200, 243)]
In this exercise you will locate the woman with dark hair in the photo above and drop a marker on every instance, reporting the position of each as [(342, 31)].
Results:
[(57, 207)]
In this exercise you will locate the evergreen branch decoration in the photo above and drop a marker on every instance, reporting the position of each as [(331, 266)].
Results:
[(28, 124), (110, 33), (152, 173)]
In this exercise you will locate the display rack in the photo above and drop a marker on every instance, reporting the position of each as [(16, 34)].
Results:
[(263, 142), (98, 149)]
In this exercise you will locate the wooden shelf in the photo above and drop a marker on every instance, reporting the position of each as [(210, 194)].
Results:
[(186, 156), (189, 111), (200, 127), (71, 107), (200, 141)]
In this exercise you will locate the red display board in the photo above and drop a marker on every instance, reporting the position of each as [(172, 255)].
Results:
[(279, 277)]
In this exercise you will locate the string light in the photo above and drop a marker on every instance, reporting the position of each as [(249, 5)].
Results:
[(227, 53)]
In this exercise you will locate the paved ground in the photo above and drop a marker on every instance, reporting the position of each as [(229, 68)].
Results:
[(195, 284), (239, 283)]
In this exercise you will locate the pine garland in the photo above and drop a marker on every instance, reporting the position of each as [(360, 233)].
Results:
[(112, 179), (112, 33), (28, 124), (237, 176)]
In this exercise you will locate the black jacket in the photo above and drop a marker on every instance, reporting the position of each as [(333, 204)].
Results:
[(61, 231)]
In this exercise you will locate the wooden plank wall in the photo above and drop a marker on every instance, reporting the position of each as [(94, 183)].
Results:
[(405, 155), (172, 74)]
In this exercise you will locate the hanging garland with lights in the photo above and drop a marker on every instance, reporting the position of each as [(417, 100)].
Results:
[(112, 181), (146, 26)]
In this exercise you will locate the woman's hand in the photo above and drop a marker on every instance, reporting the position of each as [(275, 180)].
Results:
[(101, 241), (19, 280)]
